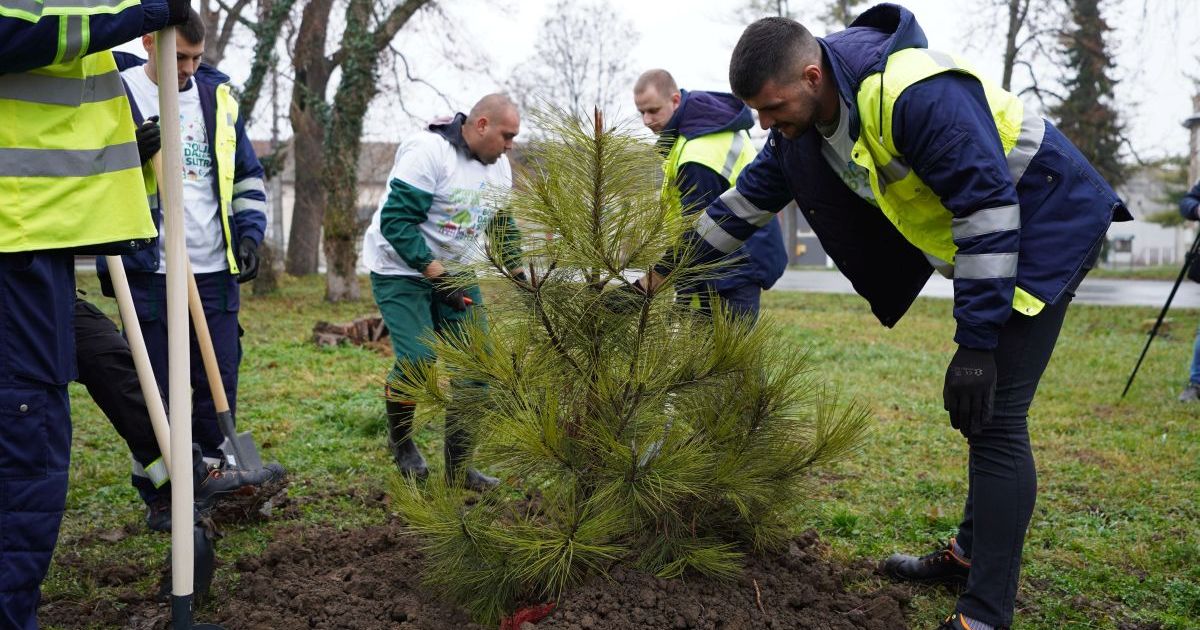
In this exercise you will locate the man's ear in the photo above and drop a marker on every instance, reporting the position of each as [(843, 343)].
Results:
[(481, 124), (676, 98), (148, 44)]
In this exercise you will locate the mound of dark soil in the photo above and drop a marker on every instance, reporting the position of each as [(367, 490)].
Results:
[(370, 578), (796, 590), (323, 577)]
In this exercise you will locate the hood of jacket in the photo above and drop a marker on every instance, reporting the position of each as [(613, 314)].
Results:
[(863, 48), (701, 113)]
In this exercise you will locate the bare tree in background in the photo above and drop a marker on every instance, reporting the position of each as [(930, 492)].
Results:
[(580, 60), (368, 32), (1031, 29), (834, 15)]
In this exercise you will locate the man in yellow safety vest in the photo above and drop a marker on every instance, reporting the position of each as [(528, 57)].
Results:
[(70, 180)]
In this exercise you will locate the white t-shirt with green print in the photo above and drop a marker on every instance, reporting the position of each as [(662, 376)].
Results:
[(458, 215)]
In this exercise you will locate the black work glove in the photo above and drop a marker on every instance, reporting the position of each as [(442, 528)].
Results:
[(178, 11), (521, 277), (149, 139), (625, 299), (970, 389), (447, 291), (247, 260)]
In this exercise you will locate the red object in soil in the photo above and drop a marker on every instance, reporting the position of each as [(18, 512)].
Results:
[(528, 614)]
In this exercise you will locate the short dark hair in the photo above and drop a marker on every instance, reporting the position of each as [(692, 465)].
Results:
[(193, 29), (770, 48)]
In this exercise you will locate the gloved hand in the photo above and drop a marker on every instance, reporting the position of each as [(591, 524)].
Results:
[(247, 260), (521, 277), (178, 11), (447, 291), (970, 389), (149, 139), (626, 298)]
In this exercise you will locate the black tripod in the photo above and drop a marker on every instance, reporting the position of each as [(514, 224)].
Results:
[(1187, 263)]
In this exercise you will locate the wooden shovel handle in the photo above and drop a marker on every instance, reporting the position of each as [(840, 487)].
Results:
[(204, 340), (200, 324)]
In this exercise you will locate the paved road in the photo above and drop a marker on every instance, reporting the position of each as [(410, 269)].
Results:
[(1093, 291)]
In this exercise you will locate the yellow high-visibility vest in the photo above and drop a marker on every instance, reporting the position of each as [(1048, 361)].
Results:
[(726, 153), (908, 202), (70, 174)]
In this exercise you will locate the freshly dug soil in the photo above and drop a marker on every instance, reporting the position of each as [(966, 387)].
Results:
[(324, 578), (369, 578), (796, 590)]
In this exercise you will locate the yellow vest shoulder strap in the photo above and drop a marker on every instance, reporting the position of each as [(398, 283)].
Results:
[(726, 153)]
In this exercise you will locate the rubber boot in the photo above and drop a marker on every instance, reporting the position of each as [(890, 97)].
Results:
[(458, 451), (404, 452)]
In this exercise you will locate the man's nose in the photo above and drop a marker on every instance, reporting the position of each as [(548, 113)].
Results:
[(765, 121)]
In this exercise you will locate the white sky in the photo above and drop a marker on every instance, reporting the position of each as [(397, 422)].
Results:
[(693, 40)]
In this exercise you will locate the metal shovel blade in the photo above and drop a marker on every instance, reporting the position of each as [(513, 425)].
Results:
[(239, 447)]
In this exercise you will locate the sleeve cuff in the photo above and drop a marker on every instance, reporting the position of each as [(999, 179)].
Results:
[(977, 337), (154, 15), (419, 264)]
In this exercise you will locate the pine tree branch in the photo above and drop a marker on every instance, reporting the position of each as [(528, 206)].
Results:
[(555, 339)]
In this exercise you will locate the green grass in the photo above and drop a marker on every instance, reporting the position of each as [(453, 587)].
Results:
[(1115, 533), (1158, 272), (1115, 536)]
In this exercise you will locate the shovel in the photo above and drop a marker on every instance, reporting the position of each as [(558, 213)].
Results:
[(179, 384), (242, 452), (204, 555)]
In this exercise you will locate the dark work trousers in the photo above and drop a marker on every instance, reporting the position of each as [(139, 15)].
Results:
[(219, 293), (106, 369), (1003, 481), (742, 300), (37, 360)]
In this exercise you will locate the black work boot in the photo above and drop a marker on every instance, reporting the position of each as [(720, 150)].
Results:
[(221, 479), (457, 451), (943, 566), (404, 452)]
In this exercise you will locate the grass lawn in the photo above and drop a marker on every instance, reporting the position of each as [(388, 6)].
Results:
[(1157, 272), (1115, 537)]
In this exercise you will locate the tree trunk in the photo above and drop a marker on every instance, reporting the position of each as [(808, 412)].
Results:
[(267, 281), (354, 93), (308, 115), (1016, 20), (308, 205), (359, 61)]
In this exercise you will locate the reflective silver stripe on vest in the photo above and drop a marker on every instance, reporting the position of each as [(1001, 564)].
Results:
[(735, 151), (941, 58), (988, 221), (68, 162), (1033, 129), (243, 204), (249, 183), (28, 6), (744, 210), (716, 236), (984, 266), (81, 4), (73, 46), (894, 171), (46, 90)]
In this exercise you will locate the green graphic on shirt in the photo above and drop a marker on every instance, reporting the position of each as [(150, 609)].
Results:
[(471, 215)]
